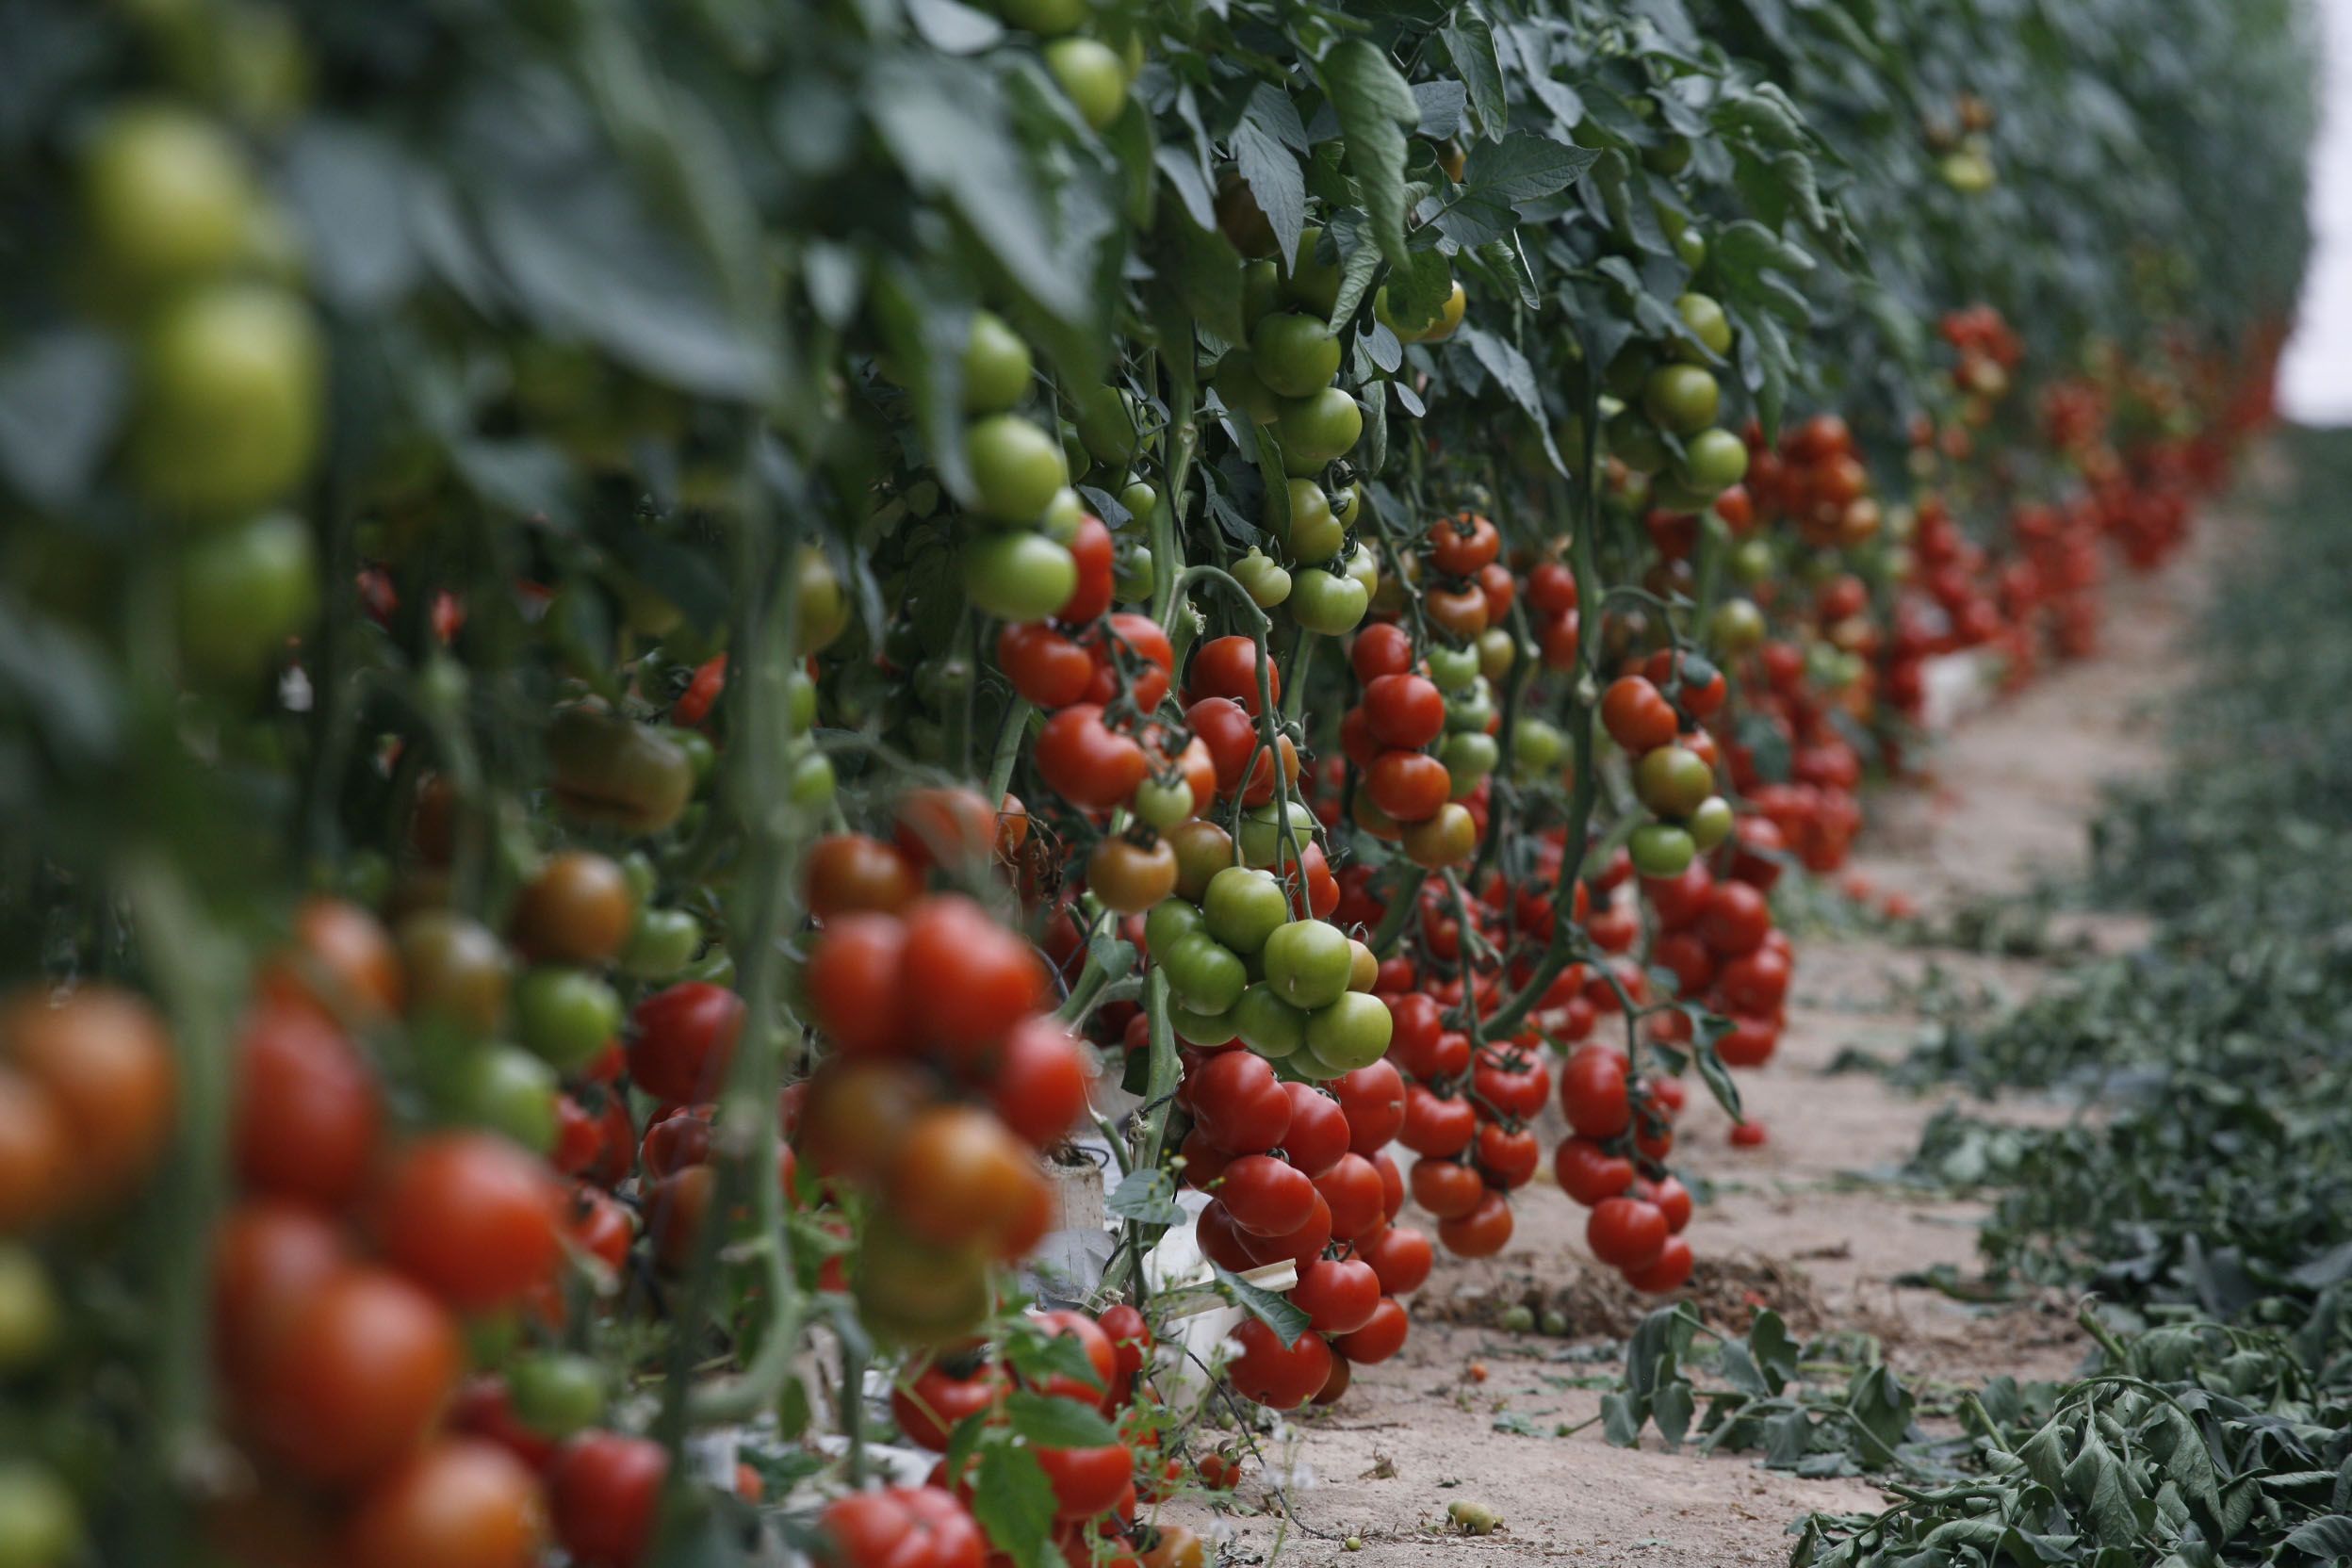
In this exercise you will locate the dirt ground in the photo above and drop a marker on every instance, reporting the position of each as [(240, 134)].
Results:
[(1803, 1224)]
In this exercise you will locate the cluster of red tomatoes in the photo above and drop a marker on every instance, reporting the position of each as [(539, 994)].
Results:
[(946, 1074), (1096, 1488), (353, 1257), (1301, 1175)]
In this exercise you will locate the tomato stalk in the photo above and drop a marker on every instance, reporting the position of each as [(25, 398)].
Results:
[(201, 975)]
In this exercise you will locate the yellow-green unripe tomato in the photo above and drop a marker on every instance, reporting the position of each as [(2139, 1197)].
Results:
[(1352, 1032), (1684, 399), (228, 418), (1106, 423), (1017, 466), (1267, 1024), (996, 366), (1314, 535), (167, 195), (1019, 576), (1317, 429), (1708, 323), (242, 593), (1092, 73), (1311, 285), (1293, 354), (1240, 388)]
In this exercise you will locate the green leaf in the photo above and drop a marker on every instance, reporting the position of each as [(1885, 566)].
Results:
[(1039, 1356), (1471, 42), (1051, 1422), (1145, 1197), (1287, 1321), (1500, 177), (350, 187), (2328, 1539), (1441, 103), (2094, 1479), (1270, 168), (1207, 280), (954, 29), (1510, 370), (1621, 1421), (1375, 108), (947, 123), (62, 395), (1014, 1502)]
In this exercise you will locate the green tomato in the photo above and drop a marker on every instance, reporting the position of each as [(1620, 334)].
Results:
[(1314, 535), (811, 782), (1261, 833), (1351, 1032), (800, 701), (1019, 576), (1363, 567), (1106, 423), (701, 754), (1319, 429), (1452, 669), (1016, 467), (1634, 441), (996, 366), (244, 592), (1537, 746), (1710, 823), (1047, 17), (1662, 850), (1671, 780), (1140, 498), (1267, 584), (1063, 516), (1737, 627), (660, 943), (1343, 501), (1241, 390), (1243, 907), (556, 1394), (40, 1524), (1093, 75), (29, 1317), (566, 1016), (1293, 354), (1708, 323), (508, 1090), (1672, 157), (1752, 562), (1267, 1023), (1684, 399), (1132, 574), (1328, 604), (1163, 805), (1169, 922), (1312, 285), (1208, 976), (1690, 245), (1261, 290), (232, 390), (1308, 962), (167, 196), (1498, 650), (1471, 708), (1200, 1028), (1715, 461), (1469, 757)]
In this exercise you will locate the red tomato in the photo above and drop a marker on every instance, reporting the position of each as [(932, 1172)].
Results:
[(1625, 1233), (1667, 1271), (472, 1218), (1481, 1233), (1092, 549), (1446, 1188), (602, 1491), (1238, 1105), (1041, 1080), (1593, 1093), (1407, 712), (364, 1368), (1589, 1172), (684, 1041), (1084, 761), (1382, 648), (968, 980), (1373, 1100), (462, 1503), (1353, 1192), (1228, 667), (1338, 1294), (1435, 1127), (1380, 1338), (1265, 1195), (1317, 1136), (1272, 1375), (1401, 1256), (308, 1112), (1637, 714)]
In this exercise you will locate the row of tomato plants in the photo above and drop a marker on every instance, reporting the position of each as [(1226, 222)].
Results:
[(652, 649)]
